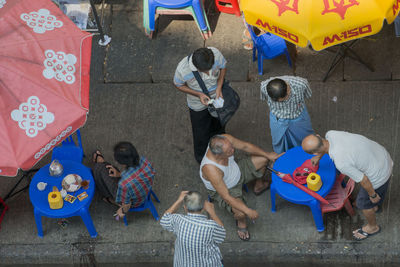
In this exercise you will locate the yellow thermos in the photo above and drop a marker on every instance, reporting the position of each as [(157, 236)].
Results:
[(314, 181), (55, 199)]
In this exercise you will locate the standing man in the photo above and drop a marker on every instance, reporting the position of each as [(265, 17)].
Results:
[(288, 117), (211, 65), (224, 177), (364, 161), (197, 237)]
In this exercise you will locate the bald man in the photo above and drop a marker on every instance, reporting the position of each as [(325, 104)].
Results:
[(364, 161)]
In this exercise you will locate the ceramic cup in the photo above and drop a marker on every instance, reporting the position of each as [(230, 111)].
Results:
[(41, 186), (63, 193)]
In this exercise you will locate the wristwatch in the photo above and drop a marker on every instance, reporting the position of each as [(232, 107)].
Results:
[(374, 195)]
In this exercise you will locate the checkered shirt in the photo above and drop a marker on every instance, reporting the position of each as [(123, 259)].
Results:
[(292, 107), (184, 76), (196, 239), (135, 183)]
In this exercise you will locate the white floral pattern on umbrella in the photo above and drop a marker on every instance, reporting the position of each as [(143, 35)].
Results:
[(2, 3), (32, 116), (41, 21), (59, 66)]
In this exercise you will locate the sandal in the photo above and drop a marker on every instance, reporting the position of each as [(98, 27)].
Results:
[(97, 154), (365, 234), (247, 41), (257, 193), (242, 230)]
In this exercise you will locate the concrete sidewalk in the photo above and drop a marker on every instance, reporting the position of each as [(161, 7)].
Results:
[(132, 98)]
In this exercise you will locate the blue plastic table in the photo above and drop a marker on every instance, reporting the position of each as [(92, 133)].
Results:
[(78, 208), (287, 163)]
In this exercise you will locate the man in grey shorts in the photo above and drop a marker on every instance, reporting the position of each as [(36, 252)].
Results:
[(224, 177), (364, 161)]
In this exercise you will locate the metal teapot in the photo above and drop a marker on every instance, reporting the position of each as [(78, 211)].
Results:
[(56, 169)]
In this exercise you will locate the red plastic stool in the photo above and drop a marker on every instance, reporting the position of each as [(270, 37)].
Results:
[(339, 197), (3, 209), (228, 6)]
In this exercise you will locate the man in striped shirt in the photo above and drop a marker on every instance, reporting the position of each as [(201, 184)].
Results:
[(288, 118), (197, 237), (211, 65)]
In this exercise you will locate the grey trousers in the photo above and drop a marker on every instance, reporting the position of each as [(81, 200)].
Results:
[(106, 185)]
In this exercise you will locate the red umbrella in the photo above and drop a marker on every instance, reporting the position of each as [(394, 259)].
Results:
[(289, 179), (44, 81)]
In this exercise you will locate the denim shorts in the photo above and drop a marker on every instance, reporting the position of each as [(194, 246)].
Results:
[(363, 200)]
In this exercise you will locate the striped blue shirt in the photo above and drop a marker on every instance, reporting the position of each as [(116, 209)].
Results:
[(196, 239)]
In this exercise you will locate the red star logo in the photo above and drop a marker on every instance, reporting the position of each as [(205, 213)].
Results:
[(339, 7), (286, 5)]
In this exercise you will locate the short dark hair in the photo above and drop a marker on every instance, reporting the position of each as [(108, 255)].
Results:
[(277, 88), (203, 59), (126, 154)]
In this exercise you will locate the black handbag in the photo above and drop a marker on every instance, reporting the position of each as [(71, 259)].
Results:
[(231, 101)]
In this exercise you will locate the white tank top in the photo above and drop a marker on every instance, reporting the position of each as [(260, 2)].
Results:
[(231, 172)]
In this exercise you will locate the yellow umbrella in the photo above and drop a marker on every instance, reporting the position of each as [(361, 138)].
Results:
[(323, 23)]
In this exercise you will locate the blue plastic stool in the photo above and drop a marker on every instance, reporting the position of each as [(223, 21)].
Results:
[(176, 4), (148, 204), (268, 46), (69, 150)]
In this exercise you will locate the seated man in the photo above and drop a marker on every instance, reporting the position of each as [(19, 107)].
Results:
[(224, 177), (126, 188)]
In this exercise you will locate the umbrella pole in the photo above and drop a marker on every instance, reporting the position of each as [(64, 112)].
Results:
[(345, 50), (104, 39), (26, 175)]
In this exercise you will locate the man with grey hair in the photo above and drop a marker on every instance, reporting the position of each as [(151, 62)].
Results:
[(197, 237), (224, 177)]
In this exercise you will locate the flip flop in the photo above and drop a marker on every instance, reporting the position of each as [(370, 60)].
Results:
[(362, 232), (243, 230), (262, 190), (98, 154)]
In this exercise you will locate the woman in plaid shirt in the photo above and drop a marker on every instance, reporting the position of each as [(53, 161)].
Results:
[(129, 187)]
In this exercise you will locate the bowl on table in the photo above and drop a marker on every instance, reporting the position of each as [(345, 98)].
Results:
[(71, 182)]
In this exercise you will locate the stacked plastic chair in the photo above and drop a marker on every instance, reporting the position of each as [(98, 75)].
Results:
[(267, 46), (69, 150), (175, 7), (228, 6)]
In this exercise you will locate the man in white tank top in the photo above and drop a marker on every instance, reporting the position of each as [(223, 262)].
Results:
[(224, 177)]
